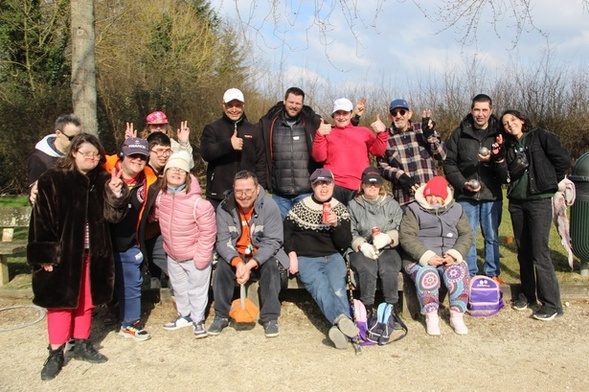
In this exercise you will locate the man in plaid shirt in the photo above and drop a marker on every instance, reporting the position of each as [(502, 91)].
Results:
[(412, 148)]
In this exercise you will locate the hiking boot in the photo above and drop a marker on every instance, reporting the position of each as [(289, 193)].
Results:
[(545, 315), (218, 325), (134, 331), (53, 364), (432, 324), (85, 351), (180, 322), (457, 322), (346, 326), (271, 329), (340, 341), (199, 330)]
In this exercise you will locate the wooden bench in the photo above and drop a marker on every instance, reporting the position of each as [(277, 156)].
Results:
[(11, 218)]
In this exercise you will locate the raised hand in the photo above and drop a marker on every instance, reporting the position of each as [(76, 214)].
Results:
[(324, 128), (378, 126), (116, 183), (360, 108), (130, 131), (427, 124), (236, 142), (183, 133)]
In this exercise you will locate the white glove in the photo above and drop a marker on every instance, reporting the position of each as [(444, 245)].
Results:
[(369, 251), (381, 240)]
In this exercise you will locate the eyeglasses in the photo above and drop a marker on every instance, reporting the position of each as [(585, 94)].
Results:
[(402, 112), (176, 170), (89, 155), (374, 184), (162, 153), (244, 192), (137, 156), (70, 138)]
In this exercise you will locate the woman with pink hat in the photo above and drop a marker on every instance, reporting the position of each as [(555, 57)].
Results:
[(436, 235)]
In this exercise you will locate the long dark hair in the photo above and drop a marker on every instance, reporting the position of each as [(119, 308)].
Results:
[(69, 162), (526, 127)]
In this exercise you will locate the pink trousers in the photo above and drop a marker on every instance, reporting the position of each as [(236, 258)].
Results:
[(62, 324)]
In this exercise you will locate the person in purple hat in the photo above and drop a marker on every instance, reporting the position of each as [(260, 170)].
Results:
[(131, 163)]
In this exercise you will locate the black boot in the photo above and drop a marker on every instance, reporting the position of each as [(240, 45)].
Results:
[(85, 351), (53, 364)]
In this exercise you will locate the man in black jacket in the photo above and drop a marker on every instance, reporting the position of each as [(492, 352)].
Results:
[(477, 180), (229, 145), (288, 130)]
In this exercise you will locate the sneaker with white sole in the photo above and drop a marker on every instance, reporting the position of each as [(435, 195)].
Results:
[(134, 331), (199, 330), (180, 322), (545, 315), (218, 325), (271, 329)]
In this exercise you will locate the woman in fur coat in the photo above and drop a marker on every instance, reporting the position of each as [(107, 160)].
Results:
[(70, 247)]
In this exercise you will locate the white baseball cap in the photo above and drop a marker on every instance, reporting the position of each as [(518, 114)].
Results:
[(233, 94), (342, 104)]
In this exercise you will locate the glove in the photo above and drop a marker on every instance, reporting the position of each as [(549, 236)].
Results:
[(381, 240), (369, 251), (425, 127), (406, 181), (498, 151)]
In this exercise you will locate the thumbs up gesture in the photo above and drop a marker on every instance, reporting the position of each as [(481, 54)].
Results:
[(378, 126), (324, 128), (236, 142)]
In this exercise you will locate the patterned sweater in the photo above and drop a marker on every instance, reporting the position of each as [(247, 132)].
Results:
[(307, 236)]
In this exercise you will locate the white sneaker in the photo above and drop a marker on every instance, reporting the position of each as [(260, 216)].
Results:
[(432, 324), (180, 322), (457, 323)]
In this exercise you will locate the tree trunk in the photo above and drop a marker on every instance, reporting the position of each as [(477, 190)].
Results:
[(83, 64)]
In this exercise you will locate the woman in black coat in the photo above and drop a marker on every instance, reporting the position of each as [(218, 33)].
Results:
[(537, 162), (70, 247)]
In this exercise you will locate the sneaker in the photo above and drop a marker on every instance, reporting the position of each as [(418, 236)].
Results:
[(498, 280), (346, 326), (521, 303), (340, 341), (134, 331), (271, 329), (544, 315), (218, 325), (199, 330), (432, 324), (180, 322), (457, 323)]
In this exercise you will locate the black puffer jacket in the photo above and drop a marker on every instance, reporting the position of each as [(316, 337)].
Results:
[(224, 161), (294, 173), (462, 163)]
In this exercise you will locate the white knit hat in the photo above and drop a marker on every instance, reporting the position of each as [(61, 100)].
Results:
[(180, 160)]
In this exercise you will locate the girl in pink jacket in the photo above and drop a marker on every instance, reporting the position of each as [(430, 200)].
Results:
[(187, 223)]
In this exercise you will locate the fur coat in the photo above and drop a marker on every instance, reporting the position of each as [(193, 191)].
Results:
[(68, 199)]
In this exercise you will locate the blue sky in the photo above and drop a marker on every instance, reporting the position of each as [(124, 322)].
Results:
[(389, 42)]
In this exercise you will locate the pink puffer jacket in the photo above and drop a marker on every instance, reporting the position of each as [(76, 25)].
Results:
[(187, 222)]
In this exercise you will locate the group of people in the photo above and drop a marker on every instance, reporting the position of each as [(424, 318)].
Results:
[(290, 195)]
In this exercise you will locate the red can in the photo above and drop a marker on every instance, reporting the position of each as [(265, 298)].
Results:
[(375, 231), (326, 212)]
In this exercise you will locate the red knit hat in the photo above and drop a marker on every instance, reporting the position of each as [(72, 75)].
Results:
[(437, 186)]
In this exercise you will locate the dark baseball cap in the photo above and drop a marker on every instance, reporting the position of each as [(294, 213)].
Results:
[(136, 145), (371, 175), (321, 175)]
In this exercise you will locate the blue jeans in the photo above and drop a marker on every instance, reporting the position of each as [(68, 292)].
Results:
[(488, 215), (532, 220), (285, 203), (128, 282), (325, 279)]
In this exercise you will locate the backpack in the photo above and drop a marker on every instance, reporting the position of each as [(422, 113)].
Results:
[(486, 297), (361, 319), (382, 325)]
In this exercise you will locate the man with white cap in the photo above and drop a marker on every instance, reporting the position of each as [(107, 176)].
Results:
[(131, 164), (229, 145), (412, 150), (344, 149)]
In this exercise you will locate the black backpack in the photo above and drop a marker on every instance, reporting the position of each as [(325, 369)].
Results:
[(382, 325)]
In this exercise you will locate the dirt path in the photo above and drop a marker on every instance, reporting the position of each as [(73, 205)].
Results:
[(509, 351)]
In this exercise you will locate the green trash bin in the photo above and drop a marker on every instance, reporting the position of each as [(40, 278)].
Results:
[(580, 212)]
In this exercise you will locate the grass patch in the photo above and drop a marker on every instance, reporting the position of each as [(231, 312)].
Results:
[(14, 201)]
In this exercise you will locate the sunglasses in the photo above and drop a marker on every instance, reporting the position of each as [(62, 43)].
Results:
[(70, 138), (402, 112), (135, 156)]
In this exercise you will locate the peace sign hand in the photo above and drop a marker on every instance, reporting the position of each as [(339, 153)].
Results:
[(183, 133), (129, 131), (116, 183)]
